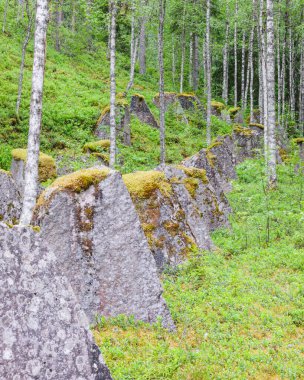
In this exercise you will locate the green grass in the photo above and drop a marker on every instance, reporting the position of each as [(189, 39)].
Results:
[(75, 93), (239, 311)]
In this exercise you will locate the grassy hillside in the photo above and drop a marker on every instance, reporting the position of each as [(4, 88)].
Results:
[(76, 91), (239, 311)]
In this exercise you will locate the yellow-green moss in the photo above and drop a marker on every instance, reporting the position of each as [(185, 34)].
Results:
[(193, 172), (214, 144), (257, 125), (186, 94), (210, 158), (139, 96), (5, 172), (233, 110), (218, 105), (47, 165), (97, 146), (104, 156), (36, 229), (143, 184), (247, 132), (191, 185), (299, 140)]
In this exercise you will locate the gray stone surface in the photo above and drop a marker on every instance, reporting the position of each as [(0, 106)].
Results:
[(248, 143), (140, 109), (18, 171), (102, 249), (123, 130), (178, 219), (44, 332), (10, 198)]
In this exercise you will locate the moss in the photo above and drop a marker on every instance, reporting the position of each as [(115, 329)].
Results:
[(193, 172), (166, 93), (214, 145), (299, 140), (186, 94), (283, 154), (233, 110), (105, 157), (143, 184), (257, 125), (96, 146), (47, 165), (36, 229), (247, 132), (148, 227), (76, 182), (141, 97), (210, 158), (5, 172), (172, 227), (218, 105), (191, 185)]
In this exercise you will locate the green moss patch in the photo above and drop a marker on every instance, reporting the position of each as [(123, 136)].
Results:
[(218, 105), (97, 146), (143, 184), (233, 110), (247, 132), (299, 140), (257, 125), (47, 165)]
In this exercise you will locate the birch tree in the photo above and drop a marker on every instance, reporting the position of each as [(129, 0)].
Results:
[(225, 63), (271, 119), (162, 10), (133, 50), (235, 57), (31, 170), (5, 16), (24, 47), (208, 73), (113, 11)]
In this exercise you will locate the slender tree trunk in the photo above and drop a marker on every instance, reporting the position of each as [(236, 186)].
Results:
[(291, 75), (31, 170), (208, 73), (235, 57), (58, 22), (173, 62), (251, 61), (301, 96), (181, 86), (272, 176), (279, 75), (195, 62), (243, 70), (133, 51), (142, 42), (21, 72), (264, 81), (191, 60), (225, 64), (73, 19), (113, 11), (5, 16), (162, 9), (249, 66)]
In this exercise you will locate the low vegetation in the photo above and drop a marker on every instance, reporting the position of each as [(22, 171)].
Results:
[(238, 310)]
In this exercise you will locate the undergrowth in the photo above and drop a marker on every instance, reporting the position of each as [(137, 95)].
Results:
[(239, 311)]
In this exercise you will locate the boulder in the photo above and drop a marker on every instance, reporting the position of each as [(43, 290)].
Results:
[(10, 198), (45, 333), (170, 98), (89, 220), (177, 208), (217, 108), (140, 109), (123, 130), (189, 102), (248, 142), (236, 115), (47, 167)]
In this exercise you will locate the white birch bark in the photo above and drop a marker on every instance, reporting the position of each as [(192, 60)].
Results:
[(195, 79), (162, 5), (235, 57), (243, 70), (5, 16), (251, 61), (208, 74), (225, 64), (279, 76), (181, 85), (173, 62), (142, 40), (291, 76), (113, 11), (191, 60), (31, 170), (272, 176), (301, 92), (133, 51), (24, 46)]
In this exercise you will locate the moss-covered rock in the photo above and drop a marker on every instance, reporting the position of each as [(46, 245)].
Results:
[(256, 125), (97, 146), (143, 183), (299, 140)]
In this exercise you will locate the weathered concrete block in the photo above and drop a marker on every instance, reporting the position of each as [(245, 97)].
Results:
[(248, 142), (10, 198), (123, 130), (177, 207), (89, 220), (140, 109), (45, 333), (47, 167)]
